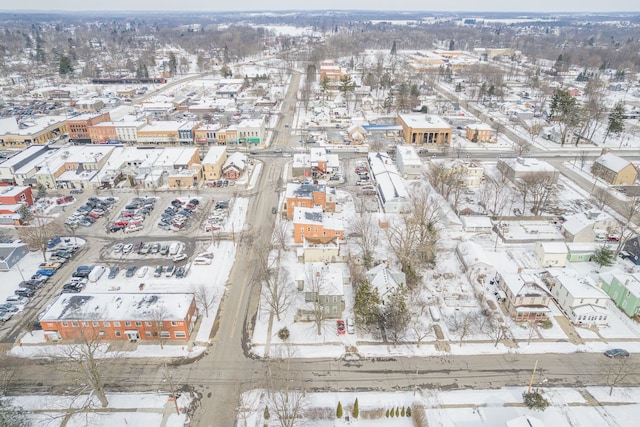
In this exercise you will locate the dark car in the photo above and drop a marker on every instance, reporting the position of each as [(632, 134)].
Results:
[(31, 284), (115, 228), (73, 287), (25, 292), (137, 246), (180, 272), (113, 272), (131, 271), (83, 273), (615, 353)]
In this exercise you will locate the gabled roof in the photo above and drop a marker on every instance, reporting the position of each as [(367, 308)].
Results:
[(612, 162), (385, 279)]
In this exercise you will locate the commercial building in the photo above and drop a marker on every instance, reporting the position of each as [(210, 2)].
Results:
[(424, 129)]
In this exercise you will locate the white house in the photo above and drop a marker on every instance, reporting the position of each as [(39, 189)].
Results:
[(474, 259), (551, 254), (476, 224), (392, 190), (582, 301), (408, 162)]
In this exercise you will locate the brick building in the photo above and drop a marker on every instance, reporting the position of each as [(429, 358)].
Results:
[(309, 195), (120, 316)]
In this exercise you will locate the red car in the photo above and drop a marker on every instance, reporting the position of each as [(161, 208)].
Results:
[(340, 326)]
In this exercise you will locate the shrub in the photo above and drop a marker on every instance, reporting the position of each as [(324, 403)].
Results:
[(339, 410), (283, 334), (355, 411), (386, 414), (266, 414), (402, 413), (547, 324), (408, 411), (535, 400)]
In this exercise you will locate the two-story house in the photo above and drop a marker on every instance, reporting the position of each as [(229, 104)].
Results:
[(321, 284), (581, 300), (309, 195), (313, 222), (526, 297), (624, 290), (614, 170)]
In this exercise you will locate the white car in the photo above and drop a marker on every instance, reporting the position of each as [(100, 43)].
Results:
[(351, 327), (127, 248), (142, 271), (179, 257), (118, 247)]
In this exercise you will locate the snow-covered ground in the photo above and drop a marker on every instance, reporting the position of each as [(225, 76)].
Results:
[(460, 408)]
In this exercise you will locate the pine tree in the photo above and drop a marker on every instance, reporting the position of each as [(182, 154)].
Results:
[(65, 65), (393, 413), (386, 414), (339, 410), (475, 136), (402, 413), (604, 256), (355, 412), (366, 305), (397, 412), (616, 120)]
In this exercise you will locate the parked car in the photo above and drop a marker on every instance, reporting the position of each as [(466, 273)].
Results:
[(17, 300), (340, 326), (164, 250), (613, 353), (5, 315), (146, 247), (127, 248), (155, 248), (131, 271), (351, 327), (8, 307), (180, 272), (143, 271), (118, 247), (25, 292), (113, 272), (158, 271), (179, 257), (171, 269), (76, 191)]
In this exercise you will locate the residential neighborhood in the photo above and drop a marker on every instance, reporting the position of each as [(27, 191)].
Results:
[(286, 218)]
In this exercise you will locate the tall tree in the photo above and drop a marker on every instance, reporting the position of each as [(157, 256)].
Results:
[(566, 111), (395, 316), (616, 120), (366, 307), (347, 85), (39, 231), (65, 66)]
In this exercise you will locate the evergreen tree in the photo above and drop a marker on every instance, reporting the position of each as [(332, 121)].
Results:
[(355, 412), (394, 49), (173, 64), (604, 256), (366, 306), (339, 410), (397, 412), (395, 318), (25, 214), (41, 192), (386, 414), (475, 136), (65, 65), (392, 413), (616, 120), (402, 413)]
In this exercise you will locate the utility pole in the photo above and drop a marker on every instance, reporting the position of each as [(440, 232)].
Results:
[(533, 374)]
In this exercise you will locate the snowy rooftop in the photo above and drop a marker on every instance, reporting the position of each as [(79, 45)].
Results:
[(385, 279), (307, 215), (167, 125), (138, 306), (331, 277), (302, 190), (472, 253), (24, 154), (30, 126), (214, 154), (553, 247), (11, 190), (577, 286), (84, 117), (612, 162), (424, 121), (123, 155), (521, 164), (171, 156), (524, 285), (630, 281), (409, 155), (479, 126)]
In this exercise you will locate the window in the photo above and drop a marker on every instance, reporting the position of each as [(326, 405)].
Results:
[(138, 323), (106, 324), (116, 324), (180, 334), (65, 324), (85, 324), (147, 333), (101, 333), (127, 323), (148, 323), (174, 323), (165, 334), (95, 324), (74, 324), (159, 323), (118, 334)]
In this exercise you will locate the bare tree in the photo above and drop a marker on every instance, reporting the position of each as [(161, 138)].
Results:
[(365, 230), (276, 293), (205, 297), (494, 195), (421, 327), (280, 235), (616, 372), (86, 361), (630, 216), (540, 187), (601, 197), (463, 323), (285, 397), (449, 182), (158, 317), (315, 293), (39, 232)]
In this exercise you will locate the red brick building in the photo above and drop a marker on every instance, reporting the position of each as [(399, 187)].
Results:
[(308, 196), (114, 316), (13, 195), (78, 126)]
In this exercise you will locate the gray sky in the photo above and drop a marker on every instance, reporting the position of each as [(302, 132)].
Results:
[(217, 5)]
